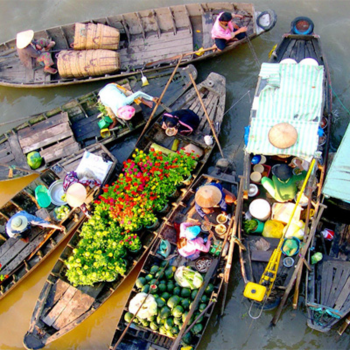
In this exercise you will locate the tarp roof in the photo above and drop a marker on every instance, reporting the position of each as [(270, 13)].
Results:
[(337, 184), (293, 94)]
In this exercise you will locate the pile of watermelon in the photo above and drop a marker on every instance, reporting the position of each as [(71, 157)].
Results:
[(173, 303)]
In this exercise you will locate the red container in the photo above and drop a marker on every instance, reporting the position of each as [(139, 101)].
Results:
[(267, 170)]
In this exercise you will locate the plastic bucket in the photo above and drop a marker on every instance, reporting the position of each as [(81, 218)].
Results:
[(253, 190), (43, 197), (260, 227), (260, 209), (290, 239)]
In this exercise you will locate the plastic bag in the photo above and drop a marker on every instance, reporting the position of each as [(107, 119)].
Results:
[(296, 229), (148, 309), (273, 229), (187, 278)]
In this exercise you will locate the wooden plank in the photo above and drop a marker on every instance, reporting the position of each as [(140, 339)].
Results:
[(327, 280), (207, 25), (43, 125), (339, 280), (6, 246), (343, 296), (16, 150), (260, 255), (55, 134), (79, 304), (56, 311), (60, 150)]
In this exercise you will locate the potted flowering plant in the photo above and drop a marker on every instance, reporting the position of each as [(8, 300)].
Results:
[(133, 243)]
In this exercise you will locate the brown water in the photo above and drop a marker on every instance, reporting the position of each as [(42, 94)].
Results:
[(234, 330)]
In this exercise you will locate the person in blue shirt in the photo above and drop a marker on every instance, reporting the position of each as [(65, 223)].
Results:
[(210, 196), (20, 223)]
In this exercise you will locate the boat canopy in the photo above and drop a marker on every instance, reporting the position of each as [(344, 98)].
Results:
[(287, 93), (337, 184)]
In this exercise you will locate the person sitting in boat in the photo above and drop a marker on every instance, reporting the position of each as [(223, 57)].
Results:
[(189, 245), (225, 31), (209, 197), (31, 51), (183, 121), (20, 224), (113, 96), (284, 184)]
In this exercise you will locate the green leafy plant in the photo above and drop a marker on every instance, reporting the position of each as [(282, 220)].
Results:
[(250, 225)]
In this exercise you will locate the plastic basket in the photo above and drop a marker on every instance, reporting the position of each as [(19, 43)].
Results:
[(43, 197)]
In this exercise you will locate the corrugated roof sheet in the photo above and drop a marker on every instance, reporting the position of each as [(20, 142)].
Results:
[(293, 94), (337, 184)]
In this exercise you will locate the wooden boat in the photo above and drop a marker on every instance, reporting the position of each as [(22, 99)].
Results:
[(18, 258), (67, 129), (48, 323), (148, 39), (260, 249), (327, 284), (135, 335)]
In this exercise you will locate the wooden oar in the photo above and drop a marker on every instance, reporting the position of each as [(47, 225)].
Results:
[(173, 58), (158, 102), (207, 116), (208, 277), (232, 245), (299, 265)]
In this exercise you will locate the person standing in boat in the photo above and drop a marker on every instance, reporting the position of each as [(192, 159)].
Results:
[(20, 224), (31, 51), (117, 100), (211, 196), (225, 31), (183, 121)]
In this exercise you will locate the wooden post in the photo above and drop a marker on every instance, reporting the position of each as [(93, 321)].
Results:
[(159, 101), (207, 116), (299, 264)]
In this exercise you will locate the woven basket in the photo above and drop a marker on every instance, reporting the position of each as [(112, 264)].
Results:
[(80, 64), (92, 36)]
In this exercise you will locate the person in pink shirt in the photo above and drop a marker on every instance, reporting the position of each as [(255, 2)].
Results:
[(189, 245), (224, 30)]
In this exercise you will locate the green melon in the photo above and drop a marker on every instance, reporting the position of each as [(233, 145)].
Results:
[(162, 288), (209, 289), (140, 282), (177, 291), (194, 293), (160, 302), (128, 316), (154, 269), (166, 295), (186, 303), (177, 311), (173, 301), (186, 292)]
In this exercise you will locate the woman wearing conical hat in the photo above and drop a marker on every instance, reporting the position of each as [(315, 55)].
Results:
[(31, 51), (211, 196)]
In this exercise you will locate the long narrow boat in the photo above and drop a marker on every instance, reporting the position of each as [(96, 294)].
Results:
[(148, 38), (61, 306), (146, 334), (293, 88), (18, 258), (327, 284), (67, 129)]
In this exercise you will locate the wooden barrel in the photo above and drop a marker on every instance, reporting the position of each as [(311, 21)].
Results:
[(79, 64), (92, 36)]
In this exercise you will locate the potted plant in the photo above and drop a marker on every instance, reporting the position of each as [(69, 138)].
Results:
[(253, 226), (133, 243)]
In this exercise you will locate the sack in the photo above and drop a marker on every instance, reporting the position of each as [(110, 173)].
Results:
[(148, 309), (273, 229), (296, 229)]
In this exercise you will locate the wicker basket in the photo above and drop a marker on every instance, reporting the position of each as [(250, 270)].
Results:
[(80, 64), (92, 36)]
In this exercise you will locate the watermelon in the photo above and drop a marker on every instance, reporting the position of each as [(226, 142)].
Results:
[(140, 282), (173, 301), (177, 311), (177, 291), (144, 323), (149, 277), (160, 274), (152, 318), (204, 299), (128, 316), (178, 321), (164, 312), (175, 330), (202, 307), (169, 334), (162, 288), (197, 328), (154, 269), (196, 314), (169, 323), (170, 287), (186, 292), (153, 326), (163, 263), (159, 320), (162, 330), (185, 303), (166, 295), (153, 289), (184, 315), (191, 305), (209, 289), (145, 288), (153, 281), (34, 160), (162, 282), (187, 339), (160, 302), (169, 272), (194, 293)]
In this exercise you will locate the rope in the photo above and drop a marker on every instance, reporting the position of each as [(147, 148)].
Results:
[(253, 52), (339, 100), (235, 103)]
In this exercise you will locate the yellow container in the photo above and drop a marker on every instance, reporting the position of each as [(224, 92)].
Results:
[(254, 291)]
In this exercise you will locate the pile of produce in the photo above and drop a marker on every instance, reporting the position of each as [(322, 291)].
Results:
[(128, 204), (61, 212), (173, 302)]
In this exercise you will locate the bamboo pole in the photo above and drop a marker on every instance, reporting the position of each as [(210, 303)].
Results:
[(207, 116), (159, 101), (298, 266)]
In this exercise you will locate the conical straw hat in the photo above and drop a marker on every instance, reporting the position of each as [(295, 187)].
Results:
[(76, 195), (23, 39), (208, 196), (283, 135)]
